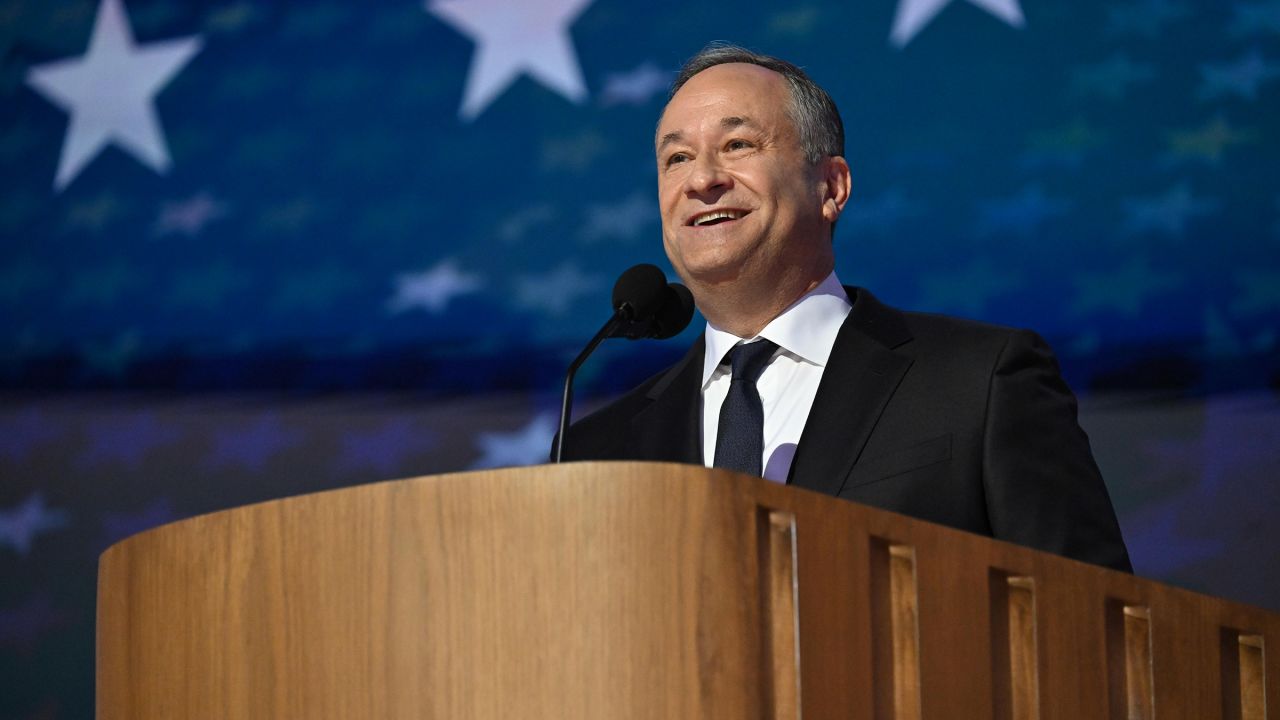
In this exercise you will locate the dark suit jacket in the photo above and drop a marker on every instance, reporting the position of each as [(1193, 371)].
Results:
[(955, 422)]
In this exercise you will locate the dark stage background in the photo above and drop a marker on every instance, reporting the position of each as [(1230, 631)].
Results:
[(254, 249)]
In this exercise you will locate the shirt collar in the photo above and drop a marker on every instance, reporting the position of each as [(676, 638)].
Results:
[(807, 329)]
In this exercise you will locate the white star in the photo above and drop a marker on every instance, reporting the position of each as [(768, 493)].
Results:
[(914, 15), (531, 37), (110, 91), (432, 289), (527, 446)]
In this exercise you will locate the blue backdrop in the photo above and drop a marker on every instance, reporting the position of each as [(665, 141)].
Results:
[(253, 249)]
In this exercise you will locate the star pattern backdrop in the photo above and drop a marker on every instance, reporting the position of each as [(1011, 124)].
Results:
[(254, 249)]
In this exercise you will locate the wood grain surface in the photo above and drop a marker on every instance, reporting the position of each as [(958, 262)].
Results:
[(634, 590)]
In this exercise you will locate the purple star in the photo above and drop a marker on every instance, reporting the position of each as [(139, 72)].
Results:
[(188, 217), (1242, 440), (20, 525), (1232, 461), (126, 440), (24, 626), (1160, 545), (252, 447), (21, 433), (118, 526), (383, 450)]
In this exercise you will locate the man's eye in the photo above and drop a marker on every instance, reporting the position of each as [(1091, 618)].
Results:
[(676, 158), (737, 145)]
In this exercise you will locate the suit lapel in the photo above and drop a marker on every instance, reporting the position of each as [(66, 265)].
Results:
[(861, 376), (670, 427)]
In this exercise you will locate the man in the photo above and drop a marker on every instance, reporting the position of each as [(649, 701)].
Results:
[(955, 422)]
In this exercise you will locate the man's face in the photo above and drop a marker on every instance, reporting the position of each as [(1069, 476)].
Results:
[(739, 201)]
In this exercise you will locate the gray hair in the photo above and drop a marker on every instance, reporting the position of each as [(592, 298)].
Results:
[(811, 109)]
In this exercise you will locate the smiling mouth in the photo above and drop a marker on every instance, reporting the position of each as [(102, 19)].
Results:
[(716, 217)]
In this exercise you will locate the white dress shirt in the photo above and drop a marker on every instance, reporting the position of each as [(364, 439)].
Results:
[(804, 334)]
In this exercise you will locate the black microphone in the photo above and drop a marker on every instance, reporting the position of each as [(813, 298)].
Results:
[(672, 316), (645, 305)]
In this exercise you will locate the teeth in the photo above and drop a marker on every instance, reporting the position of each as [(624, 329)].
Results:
[(717, 215)]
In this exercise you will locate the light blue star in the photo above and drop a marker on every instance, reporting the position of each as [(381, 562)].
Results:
[(556, 291), (1144, 17), (1166, 214), (635, 87), (878, 213), (528, 445), (516, 226), (1259, 291), (578, 153), (1022, 214), (1240, 78), (1112, 77), (433, 289), (1122, 288), (1220, 340), (1256, 18), (968, 289), (20, 524), (623, 220), (111, 357)]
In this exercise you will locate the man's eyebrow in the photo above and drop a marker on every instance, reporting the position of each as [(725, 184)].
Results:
[(671, 137), (729, 123), (735, 121)]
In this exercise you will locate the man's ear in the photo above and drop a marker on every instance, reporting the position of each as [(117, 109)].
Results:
[(837, 182)]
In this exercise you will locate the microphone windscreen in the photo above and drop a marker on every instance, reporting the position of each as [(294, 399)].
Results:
[(675, 313), (642, 288)]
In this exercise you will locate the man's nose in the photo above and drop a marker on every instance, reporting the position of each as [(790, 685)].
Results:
[(708, 176)]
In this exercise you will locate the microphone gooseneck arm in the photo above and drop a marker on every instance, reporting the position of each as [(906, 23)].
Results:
[(645, 305), (622, 315)]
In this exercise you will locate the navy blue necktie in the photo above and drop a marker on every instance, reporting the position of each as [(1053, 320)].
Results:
[(740, 438)]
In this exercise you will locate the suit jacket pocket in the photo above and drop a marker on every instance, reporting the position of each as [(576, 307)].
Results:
[(900, 461)]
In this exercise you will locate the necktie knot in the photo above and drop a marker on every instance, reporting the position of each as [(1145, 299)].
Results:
[(748, 360)]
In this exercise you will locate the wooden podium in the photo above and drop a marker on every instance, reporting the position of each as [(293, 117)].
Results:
[(637, 590)]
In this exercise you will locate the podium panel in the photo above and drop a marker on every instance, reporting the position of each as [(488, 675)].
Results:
[(644, 590)]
